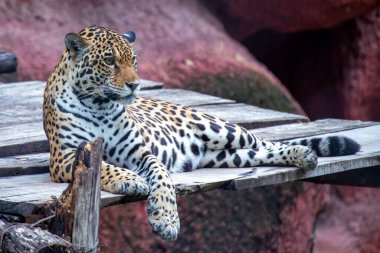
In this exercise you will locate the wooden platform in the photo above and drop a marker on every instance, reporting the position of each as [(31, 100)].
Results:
[(24, 178)]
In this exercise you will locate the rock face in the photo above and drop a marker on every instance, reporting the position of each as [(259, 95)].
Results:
[(333, 73), (351, 224), (245, 17), (327, 54), (269, 219), (179, 43)]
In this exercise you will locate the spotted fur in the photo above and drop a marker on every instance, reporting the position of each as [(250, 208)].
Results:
[(92, 93)]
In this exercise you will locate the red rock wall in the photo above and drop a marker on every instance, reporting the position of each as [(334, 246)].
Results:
[(242, 18), (273, 219), (178, 42), (351, 223), (327, 54), (332, 73)]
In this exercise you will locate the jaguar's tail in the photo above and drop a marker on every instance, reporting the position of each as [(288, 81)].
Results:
[(329, 146)]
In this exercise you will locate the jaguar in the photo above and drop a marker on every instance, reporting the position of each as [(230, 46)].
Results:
[(92, 92)]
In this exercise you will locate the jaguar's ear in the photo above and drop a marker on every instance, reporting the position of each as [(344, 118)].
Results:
[(75, 44), (130, 36)]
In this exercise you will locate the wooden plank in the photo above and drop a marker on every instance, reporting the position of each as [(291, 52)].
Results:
[(27, 108), (24, 164), (250, 116), (22, 194), (21, 139), (20, 114), (22, 102), (292, 131), (184, 97)]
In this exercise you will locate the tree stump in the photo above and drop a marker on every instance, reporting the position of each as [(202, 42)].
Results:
[(77, 209)]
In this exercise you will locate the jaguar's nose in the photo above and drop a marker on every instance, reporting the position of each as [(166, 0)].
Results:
[(133, 85)]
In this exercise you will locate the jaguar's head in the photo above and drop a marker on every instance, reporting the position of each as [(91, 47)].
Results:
[(103, 64)]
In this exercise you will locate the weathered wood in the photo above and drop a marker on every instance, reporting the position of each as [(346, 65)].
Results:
[(325, 126), (27, 108), (23, 193), (21, 113), (184, 97), (17, 238), (24, 164), (86, 197), (22, 102), (21, 139), (250, 116), (8, 62)]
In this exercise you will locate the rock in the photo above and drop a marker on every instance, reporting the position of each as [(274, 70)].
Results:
[(8, 62), (268, 219), (350, 223), (181, 44), (333, 73), (246, 17), (361, 68)]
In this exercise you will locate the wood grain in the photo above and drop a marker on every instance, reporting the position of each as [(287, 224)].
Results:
[(20, 238), (249, 116), (21, 194), (184, 97), (86, 198), (324, 126)]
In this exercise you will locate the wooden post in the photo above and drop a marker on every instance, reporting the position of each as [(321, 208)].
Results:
[(16, 238), (86, 197)]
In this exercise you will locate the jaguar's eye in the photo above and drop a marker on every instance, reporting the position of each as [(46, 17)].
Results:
[(133, 60), (109, 61)]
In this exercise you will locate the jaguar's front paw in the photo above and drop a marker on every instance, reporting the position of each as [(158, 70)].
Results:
[(131, 187), (163, 215), (125, 182)]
